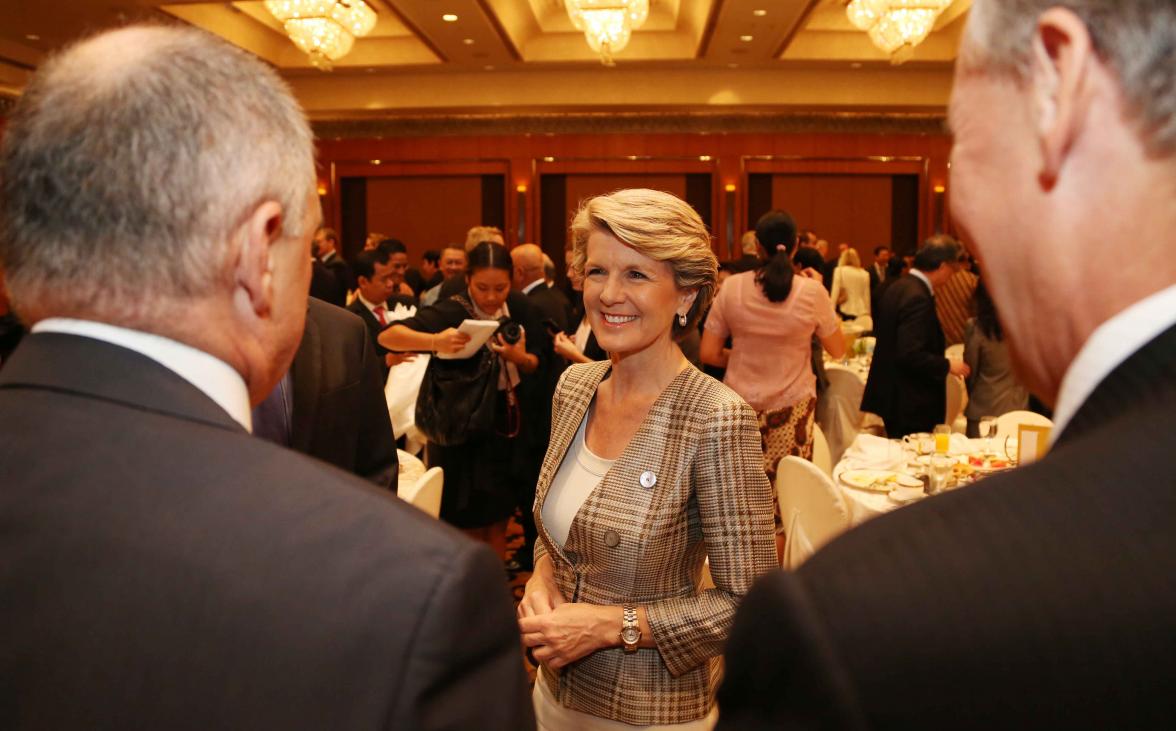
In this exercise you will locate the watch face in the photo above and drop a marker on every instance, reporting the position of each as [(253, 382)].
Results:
[(631, 635)]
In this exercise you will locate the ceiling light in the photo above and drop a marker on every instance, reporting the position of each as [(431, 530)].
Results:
[(747, 39), (732, 65), (325, 30), (449, 18), (896, 26), (33, 37), (607, 24), (759, 13), (487, 68), (468, 41)]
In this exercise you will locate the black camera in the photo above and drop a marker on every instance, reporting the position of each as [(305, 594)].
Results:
[(510, 330)]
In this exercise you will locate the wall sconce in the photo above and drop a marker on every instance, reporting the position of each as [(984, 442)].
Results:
[(729, 197), (938, 193), (521, 203)]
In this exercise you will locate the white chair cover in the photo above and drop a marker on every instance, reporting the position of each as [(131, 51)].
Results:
[(955, 352), (821, 455), (813, 510), (1006, 424), (839, 410), (425, 493), (956, 399)]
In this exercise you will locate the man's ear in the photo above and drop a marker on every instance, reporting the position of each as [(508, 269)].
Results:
[(1062, 54), (254, 270)]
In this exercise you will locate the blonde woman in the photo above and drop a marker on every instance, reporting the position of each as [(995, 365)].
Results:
[(851, 286), (652, 466)]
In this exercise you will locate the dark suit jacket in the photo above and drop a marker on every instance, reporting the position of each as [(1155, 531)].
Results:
[(907, 383), (373, 325), (549, 305), (342, 271), (1039, 599), (340, 415), (161, 568), (325, 285)]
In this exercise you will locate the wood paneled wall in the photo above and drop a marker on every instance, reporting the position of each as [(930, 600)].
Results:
[(729, 158)]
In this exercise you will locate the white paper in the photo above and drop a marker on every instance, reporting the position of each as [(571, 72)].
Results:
[(1027, 447), (401, 391), (479, 332)]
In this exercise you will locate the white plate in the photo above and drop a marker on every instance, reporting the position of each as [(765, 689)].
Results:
[(903, 495), (877, 480)]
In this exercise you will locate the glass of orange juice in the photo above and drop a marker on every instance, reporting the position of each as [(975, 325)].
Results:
[(942, 438)]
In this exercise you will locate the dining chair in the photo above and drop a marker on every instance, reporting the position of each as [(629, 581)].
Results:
[(1006, 424), (822, 457), (813, 510), (956, 399), (425, 493)]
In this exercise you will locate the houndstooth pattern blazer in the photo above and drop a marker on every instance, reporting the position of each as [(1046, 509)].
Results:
[(642, 540)]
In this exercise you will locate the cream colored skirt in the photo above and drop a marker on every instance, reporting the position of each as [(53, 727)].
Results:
[(551, 716)]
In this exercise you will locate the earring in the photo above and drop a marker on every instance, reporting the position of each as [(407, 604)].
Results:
[(681, 319)]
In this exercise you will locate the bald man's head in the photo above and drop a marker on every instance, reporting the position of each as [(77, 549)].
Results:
[(528, 264)]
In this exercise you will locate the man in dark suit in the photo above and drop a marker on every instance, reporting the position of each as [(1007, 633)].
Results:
[(1041, 598), (540, 387), (428, 275), (907, 381), (878, 273), (326, 246), (331, 404), (161, 567), (376, 298), (453, 268)]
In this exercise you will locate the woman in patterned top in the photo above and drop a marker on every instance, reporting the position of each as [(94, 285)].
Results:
[(652, 467)]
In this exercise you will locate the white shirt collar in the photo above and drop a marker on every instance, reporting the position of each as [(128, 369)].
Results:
[(920, 275), (533, 285), (215, 378), (367, 304), (1108, 346)]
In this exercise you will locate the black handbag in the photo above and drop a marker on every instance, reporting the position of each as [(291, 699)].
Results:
[(457, 397)]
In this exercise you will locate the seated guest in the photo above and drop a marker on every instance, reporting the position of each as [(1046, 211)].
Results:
[(330, 404), (1042, 597), (993, 388), (652, 467), (162, 568), (851, 286), (483, 472)]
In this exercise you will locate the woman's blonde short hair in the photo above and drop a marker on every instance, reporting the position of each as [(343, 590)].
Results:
[(660, 226), (850, 257)]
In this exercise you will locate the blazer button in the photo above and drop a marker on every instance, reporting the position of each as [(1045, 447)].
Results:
[(611, 539), (648, 479)]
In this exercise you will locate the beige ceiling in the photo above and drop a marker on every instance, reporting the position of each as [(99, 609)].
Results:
[(524, 55)]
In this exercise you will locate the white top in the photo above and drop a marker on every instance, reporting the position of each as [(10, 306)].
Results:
[(214, 377), (855, 282), (579, 474), (1108, 346)]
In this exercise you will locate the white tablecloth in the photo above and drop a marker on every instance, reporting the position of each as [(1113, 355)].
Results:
[(411, 469), (871, 452)]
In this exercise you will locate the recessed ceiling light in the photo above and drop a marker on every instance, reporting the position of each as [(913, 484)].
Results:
[(370, 70), (732, 65), (468, 41), (33, 37), (449, 18), (855, 65), (759, 13), (747, 39), (488, 67)]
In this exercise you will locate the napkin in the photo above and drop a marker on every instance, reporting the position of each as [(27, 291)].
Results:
[(961, 445), (876, 453), (400, 312)]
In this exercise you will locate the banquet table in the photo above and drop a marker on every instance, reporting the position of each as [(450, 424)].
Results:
[(411, 469), (871, 452)]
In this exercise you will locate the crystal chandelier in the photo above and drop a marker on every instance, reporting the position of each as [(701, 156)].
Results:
[(325, 30), (896, 26), (607, 24)]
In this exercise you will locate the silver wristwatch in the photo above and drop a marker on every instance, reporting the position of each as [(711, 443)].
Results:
[(630, 630)]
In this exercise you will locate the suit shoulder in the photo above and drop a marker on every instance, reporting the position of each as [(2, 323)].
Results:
[(329, 316)]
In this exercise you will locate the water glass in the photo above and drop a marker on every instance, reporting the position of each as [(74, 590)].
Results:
[(940, 472), (987, 429)]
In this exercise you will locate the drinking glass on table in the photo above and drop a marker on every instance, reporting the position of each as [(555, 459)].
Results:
[(940, 472), (942, 438), (987, 429)]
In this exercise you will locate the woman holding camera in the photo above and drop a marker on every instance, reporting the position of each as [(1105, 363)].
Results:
[(652, 467), (480, 474)]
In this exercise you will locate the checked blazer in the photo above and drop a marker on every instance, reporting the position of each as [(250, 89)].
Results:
[(689, 484)]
